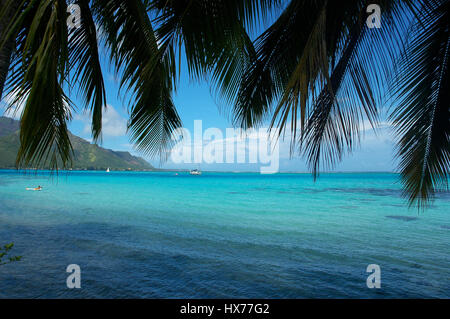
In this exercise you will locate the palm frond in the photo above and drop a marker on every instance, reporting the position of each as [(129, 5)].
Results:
[(278, 51), (328, 78), (39, 77), (8, 11), (85, 62), (213, 35), (334, 119), (147, 72), (311, 70), (422, 115)]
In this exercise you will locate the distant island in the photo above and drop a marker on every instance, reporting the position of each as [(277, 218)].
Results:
[(87, 156)]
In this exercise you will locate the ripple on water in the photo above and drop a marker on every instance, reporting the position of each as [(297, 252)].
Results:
[(365, 200), (394, 205), (259, 188), (348, 207), (404, 218), (443, 195), (359, 190)]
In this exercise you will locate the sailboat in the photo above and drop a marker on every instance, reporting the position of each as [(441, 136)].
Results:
[(107, 171)]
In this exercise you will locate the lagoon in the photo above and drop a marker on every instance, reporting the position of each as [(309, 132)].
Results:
[(220, 235)]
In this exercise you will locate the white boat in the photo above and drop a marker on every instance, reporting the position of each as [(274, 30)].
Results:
[(195, 172), (107, 171)]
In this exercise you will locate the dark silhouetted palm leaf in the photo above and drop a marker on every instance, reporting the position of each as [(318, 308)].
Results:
[(84, 57), (36, 81), (422, 114), (321, 66)]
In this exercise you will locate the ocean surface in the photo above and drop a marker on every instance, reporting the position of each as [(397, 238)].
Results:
[(220, 235)]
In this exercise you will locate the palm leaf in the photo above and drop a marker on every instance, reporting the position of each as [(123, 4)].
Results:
[(422, 115), (44, 136), (85, 63), (146, 71), (278, 50)]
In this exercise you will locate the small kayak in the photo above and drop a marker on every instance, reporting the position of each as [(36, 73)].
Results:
[(34, 189)]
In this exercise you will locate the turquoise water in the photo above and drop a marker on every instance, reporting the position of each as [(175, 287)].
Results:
[(158, 235)]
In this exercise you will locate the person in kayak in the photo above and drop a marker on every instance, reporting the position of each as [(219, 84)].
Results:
[(39, 188)]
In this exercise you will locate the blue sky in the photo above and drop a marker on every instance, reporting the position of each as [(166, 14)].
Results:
[(195, 101)]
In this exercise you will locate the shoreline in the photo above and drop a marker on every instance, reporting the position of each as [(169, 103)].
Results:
[(187, 171)]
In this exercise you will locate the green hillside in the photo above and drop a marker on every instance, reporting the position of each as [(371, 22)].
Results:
[(87, 156), (8, 126)]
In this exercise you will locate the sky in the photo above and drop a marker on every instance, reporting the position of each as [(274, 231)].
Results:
[(195, 101)]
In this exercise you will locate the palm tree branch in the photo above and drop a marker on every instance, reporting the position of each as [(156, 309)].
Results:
[(422, 116), (85, 62)]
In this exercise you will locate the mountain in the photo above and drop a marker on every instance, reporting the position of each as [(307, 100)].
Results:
[(87, 156), (8, 126)]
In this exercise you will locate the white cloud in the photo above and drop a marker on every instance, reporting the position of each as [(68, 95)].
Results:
[(12, 111), (113, 124)]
